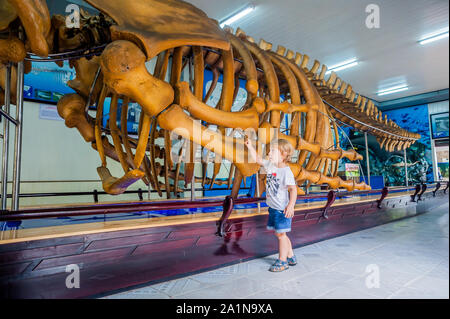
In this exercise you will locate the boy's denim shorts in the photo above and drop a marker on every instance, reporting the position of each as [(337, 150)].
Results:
[(278, 222)]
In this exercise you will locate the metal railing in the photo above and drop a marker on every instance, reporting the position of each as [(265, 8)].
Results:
[(95, 193), (17, 121), (115, 208)]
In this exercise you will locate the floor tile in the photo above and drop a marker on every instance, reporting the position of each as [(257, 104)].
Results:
[(179, 286), (234, 289), (315, 284), (275, 293), (431, 286), (411, 293), (145, 293)]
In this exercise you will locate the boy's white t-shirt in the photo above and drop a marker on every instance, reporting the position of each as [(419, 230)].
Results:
[(277, 182)]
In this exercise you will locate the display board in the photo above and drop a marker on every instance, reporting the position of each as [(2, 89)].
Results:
[(351, 170), (439, 125)]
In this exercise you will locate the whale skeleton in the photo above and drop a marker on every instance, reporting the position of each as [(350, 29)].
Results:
[(109, 53)]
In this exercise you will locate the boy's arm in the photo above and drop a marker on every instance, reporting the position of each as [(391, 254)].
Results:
[(252, 152), (289, 210)]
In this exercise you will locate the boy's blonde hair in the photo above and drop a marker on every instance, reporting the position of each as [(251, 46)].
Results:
[(286, 149)]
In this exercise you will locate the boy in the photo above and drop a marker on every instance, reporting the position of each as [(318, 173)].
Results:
[(281, 194)]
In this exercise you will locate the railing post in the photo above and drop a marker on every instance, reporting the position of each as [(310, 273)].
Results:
[(5, 153), (18, 140), (149, 191), (258, 194), (192, 187), (367, 158), (406, 168), (95, 196)]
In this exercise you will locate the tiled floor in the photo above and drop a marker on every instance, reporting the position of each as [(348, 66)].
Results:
[(404, 259)]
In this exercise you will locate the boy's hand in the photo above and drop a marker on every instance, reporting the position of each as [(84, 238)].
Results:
[(247, 141), (289, 211)]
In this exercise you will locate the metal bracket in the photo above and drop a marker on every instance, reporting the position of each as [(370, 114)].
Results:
[(95, 194), (331, 198), (424, 188), (384, 193), (8, 117), (438, 185), (413, 197), (228, 205)]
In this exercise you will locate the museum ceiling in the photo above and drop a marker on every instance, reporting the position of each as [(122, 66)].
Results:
[(333, 31)]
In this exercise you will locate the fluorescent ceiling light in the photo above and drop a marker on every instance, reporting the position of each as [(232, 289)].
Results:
[(394, 89), (237, 16), (82, 3), (342, 66), (434, 38)]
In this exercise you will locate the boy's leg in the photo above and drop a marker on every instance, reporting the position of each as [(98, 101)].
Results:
[(290, 252), (283, 246)]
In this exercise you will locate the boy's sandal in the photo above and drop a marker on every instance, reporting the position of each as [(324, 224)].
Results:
[(292, 261), (279, 266)]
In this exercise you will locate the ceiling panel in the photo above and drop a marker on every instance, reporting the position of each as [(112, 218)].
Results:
[(333, 31)]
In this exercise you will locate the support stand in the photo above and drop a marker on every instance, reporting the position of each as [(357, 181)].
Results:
[(438, 185), (384, 193), (424, 188), (413, 197), (331, 198), (445, 190), (228, 205)]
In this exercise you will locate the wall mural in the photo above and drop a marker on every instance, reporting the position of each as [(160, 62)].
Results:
[(419, 157), (390, 165)]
